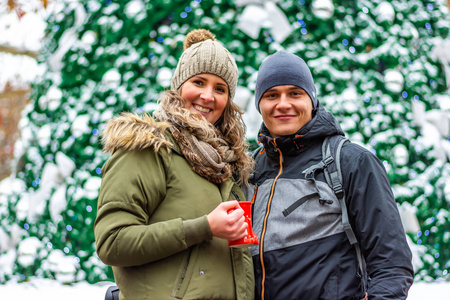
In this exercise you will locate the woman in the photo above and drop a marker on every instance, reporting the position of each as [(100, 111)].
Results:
[(162, 220)]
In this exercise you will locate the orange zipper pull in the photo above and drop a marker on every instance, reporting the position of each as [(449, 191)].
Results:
[(254, 194)]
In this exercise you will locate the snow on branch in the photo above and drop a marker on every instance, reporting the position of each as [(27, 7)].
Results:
[(18, 51)]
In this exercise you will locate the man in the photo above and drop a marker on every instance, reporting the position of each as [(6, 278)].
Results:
[(306, 254)]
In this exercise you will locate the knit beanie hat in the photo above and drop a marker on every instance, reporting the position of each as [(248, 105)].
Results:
[(203, 54), (283, 68)]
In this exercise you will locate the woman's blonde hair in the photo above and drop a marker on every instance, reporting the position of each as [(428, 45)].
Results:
[(233, 129), (230, 125)]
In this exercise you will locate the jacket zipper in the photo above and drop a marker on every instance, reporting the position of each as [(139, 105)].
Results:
[(261, 245), (235, 195)]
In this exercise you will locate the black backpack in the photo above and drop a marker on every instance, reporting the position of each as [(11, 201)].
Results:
[(331, 166)]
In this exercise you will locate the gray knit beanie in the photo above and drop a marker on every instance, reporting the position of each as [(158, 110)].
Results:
[(283, 68), (203, 54)]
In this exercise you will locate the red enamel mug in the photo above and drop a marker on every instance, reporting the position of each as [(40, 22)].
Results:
[(251, 239)]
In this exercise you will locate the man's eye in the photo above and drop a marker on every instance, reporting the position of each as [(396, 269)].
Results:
[(299, 93)]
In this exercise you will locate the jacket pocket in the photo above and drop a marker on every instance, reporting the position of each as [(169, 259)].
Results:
[(298, 203), (185, 273)]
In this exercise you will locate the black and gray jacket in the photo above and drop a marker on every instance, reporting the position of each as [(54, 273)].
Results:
[(306, 255)]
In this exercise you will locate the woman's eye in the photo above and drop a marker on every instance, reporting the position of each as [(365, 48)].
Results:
[(198, 82), (220, 90)]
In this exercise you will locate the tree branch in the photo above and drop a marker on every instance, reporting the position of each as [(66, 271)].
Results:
[(18, 51), (14, 93)]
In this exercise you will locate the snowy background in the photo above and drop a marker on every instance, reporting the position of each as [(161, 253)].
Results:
[(22, 28)]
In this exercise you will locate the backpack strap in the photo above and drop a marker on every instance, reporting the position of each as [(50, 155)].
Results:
[(331, 151), (310, 174)]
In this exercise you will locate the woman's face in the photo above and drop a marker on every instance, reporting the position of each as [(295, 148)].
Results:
[(205, 94)]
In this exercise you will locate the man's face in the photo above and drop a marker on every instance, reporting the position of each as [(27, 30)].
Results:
[(285, 109)]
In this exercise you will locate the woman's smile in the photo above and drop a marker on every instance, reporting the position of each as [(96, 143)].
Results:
[(201, 109)]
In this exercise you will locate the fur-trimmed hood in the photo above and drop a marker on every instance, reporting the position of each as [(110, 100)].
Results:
[(132, 132)]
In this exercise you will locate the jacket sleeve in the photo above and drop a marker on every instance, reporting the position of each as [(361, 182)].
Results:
[(133, 185), (376, 222)]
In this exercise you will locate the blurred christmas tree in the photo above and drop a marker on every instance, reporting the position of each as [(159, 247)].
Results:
[(378, 65)]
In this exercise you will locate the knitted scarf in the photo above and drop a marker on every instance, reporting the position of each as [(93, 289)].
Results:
[(201, 143)]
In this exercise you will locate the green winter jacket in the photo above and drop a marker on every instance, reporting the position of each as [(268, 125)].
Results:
[(151, 227)]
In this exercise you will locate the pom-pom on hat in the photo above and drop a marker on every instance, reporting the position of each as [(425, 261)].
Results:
[(284, 68), (203, 54)]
